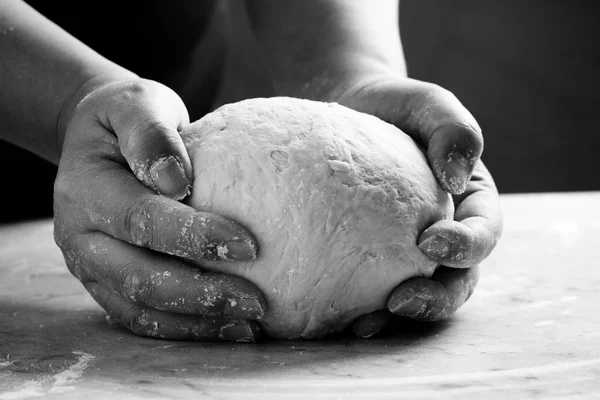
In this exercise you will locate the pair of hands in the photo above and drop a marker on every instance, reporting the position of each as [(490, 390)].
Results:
[(130, 241)]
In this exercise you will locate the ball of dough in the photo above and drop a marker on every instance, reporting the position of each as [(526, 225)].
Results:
[(335, 198)]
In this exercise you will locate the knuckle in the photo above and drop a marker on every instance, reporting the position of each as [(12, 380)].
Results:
[(59, 233), (141, 321), (135, 89), (75, 259), (461, 256), (148, 135), (147, 128), (139, 222), (75, 263), (133, 284), (62, 230), (64, 191), (472, 247), (432, 93), (464, 246)]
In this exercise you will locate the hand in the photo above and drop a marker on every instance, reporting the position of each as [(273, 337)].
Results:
[(352, 56), (119, 237), (452, 137)]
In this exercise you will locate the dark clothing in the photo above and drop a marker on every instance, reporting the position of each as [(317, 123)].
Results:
[(529, 71), (154, 39)]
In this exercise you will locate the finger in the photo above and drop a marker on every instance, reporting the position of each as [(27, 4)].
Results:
[(432, 116), (452, 136), (160, 282), (146, 321), (135, 214), (146, 117), (476, 228), (436, 298), (370, 325)]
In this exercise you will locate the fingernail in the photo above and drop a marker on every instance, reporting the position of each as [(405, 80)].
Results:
[(410, 307), (237, 332), (236, 251), (248, 308), (456, 172), (436, 247), (170, 178), (370, 325)]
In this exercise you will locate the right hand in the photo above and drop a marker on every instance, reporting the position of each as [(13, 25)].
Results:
[(120, 238), (435, 118)]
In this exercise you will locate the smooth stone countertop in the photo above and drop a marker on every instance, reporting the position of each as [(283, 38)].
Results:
[(531, 330)]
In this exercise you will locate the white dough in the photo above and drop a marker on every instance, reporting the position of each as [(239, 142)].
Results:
[(335, 198)]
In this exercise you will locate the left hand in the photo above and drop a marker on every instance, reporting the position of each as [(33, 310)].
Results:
[(437, 120), (132, 245)]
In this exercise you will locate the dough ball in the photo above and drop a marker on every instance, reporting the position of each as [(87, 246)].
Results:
[(335, 198)]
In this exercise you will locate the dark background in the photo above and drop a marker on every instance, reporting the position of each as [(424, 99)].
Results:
[(528, 71)]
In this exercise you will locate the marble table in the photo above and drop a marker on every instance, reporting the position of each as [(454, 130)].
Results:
[(531, 330)]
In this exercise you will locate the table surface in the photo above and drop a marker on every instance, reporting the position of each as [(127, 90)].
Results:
[(531, 330)]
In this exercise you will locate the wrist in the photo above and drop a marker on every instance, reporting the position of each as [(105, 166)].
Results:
[(333, 80), (348, 41)]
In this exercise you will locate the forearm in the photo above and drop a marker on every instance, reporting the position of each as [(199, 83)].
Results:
[(308, 45), (41, 68)]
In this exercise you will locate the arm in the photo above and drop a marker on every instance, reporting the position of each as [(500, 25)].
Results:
[(42, 67), (99, 122), (352, 38), (349, 51), (45, 73)]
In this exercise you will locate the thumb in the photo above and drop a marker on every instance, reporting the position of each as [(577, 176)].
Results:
[(432, 116), (146, 116)]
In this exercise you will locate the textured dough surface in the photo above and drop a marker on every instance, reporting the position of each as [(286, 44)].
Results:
[(335, 198)]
